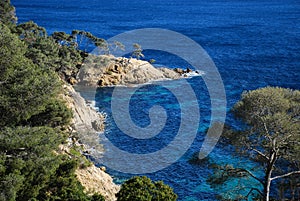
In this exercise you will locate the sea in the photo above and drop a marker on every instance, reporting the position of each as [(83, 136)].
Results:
[(253, 44)]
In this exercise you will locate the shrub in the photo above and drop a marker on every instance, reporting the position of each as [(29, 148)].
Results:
[(143, 189)]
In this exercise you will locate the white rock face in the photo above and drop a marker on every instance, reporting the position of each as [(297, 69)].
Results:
[(107, 70), (96, 180), (87, 124)]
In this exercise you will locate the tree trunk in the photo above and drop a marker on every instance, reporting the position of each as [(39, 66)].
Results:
[(267, 187), (267, 183)]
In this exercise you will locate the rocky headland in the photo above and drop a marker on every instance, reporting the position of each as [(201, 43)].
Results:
[(107, 70), (88, 124)]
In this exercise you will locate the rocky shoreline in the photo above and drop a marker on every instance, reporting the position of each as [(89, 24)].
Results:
[(107, 70), (87, 123)]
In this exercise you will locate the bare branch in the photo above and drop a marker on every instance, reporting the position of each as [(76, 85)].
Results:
[(251, 175), (266, 128), (260, 153), (254, 189), (285, 175), (267, 131), (242, 170)]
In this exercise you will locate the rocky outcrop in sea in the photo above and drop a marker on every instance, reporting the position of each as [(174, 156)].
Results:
[(107, 70)]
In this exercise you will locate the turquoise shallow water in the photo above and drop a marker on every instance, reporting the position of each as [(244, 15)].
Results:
[(253, 44)]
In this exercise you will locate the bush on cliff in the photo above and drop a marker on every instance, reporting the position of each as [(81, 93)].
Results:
[(143, 189)]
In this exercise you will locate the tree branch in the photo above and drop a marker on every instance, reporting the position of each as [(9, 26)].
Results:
[(241, 170), (267, 132), (259, 153), (251, 175), (285, 175), (254, 189)]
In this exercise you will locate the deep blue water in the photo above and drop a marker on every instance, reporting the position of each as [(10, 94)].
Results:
[(253, 44)]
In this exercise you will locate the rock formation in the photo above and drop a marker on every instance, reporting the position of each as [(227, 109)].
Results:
[(96, 180), (107, 70), (87, 123)]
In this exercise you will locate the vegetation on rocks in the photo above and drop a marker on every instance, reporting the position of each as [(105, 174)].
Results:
[(33, 120), (7, 13), (137, 52)]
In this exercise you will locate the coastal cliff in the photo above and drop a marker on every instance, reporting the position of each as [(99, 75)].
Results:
[(88, 122)]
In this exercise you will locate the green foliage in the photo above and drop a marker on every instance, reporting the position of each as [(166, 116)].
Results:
[(143, 189), (97, 197), (118, 45), (272, 116), (69, 54), (27, 159), (32, 117), (234, 182), (7, 13), (270, 137), (25, 89), (137, 51), (151, 61), (57, 52), (55, 114), (63, 185), (45, 53), (84, 39), (82, 161), (31, 170), (30, 31), (64, 39)]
